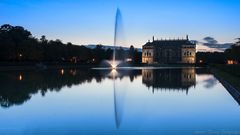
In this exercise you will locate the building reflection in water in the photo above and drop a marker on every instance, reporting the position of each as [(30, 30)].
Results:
[(180, 79), (16, 91), (73, 72)]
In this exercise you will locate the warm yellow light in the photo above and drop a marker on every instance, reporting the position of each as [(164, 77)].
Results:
[(113, 73), (73, 72), (20, 77), (113, 67), (62, 71), (113, 64), (129, 59), (230, 62)]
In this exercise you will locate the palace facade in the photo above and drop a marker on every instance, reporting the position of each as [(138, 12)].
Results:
[(169, 51)]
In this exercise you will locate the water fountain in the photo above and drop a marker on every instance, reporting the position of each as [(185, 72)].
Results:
[(117, 37), (118, 41), (114, 74), (118, 94)]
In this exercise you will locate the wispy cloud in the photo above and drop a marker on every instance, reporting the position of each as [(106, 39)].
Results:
[(211, 44)]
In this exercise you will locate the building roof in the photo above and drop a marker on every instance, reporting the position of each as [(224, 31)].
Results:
[(174, 42)]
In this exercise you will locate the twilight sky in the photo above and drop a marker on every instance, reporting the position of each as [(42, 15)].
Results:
[(92, 21)]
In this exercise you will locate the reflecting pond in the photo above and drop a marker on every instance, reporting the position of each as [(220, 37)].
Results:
[(169, 101)]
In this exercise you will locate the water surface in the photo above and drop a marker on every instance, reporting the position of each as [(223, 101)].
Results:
[(168, 101)]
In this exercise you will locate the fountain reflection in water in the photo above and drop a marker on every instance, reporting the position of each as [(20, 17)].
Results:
[(114, 74), (118, 94), (119, 97)]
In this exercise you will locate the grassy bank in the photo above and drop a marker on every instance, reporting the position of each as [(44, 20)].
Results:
[(231, 69), (230, 73)]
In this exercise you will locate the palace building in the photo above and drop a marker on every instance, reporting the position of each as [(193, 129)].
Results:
[(169, 51)]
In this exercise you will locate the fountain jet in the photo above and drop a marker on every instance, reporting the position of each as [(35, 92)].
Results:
[(117, 37), (118, 95)]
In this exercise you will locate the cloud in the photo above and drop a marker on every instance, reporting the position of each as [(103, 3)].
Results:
[(210, 40), (211, 44), (210, 83)]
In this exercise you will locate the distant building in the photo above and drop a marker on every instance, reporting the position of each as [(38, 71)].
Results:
[(169, 51)]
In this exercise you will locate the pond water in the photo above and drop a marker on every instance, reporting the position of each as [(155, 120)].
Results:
[(168, 101)]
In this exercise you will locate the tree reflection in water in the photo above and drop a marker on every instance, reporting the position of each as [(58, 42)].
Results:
[(17, 87)]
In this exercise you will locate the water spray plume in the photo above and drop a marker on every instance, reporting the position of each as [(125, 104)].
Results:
[(114, 64), (117, 32)]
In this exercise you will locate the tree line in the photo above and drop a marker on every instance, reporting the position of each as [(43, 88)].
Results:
[(18, 44), (231, 55)]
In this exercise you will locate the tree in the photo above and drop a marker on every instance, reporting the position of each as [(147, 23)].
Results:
[(234, 52), (131, 52), (43, 39), (17, 43), (12, 40), (6, 28)]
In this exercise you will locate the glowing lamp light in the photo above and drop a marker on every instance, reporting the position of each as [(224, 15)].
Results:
[(230, 62), (113, 66), (129, 59), (62, 71), (20, 77)]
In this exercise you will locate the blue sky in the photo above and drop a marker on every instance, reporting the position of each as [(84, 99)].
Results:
[(92, 21)]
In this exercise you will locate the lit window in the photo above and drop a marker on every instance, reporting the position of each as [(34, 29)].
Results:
[(230, 62)]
